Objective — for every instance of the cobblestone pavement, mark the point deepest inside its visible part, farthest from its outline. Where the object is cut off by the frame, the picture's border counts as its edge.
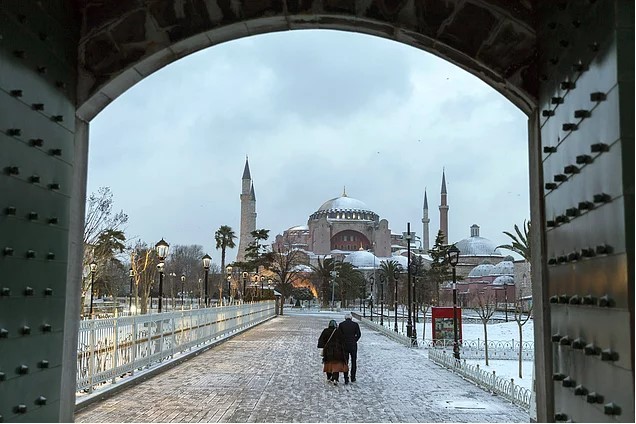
(273, 373)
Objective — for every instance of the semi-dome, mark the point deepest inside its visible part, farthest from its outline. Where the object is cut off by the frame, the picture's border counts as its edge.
(503, 280)
(476, 245)
(503, 268)
(362, 259)
(299, 228)
(401, 260)
(481, 270)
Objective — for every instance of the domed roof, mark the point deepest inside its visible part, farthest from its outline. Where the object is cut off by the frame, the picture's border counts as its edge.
(503, 279)
(299, 228)
(503, 268)
(481, 270)
(362, 259)
(344, 203)
(402, 260)
(476, 245)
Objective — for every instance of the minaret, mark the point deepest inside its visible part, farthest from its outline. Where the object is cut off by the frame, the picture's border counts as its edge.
(425, 222)
(443, 210)
(248, 212)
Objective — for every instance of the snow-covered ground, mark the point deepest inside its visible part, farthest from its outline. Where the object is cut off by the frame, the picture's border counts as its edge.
(499, 331)
(504, 331)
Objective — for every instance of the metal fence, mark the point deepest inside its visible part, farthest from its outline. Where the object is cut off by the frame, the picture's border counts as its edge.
(112, 347)
(489, 380)
(476, 349)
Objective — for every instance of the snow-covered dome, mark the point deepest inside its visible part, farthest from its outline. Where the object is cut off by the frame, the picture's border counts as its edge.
(344, 203)
(299, 228)
(344, 208)
(402, 260)
(503, 268)
(476, 245)
(503, 280)
(362, 259)
(302, 268)
(481, 270)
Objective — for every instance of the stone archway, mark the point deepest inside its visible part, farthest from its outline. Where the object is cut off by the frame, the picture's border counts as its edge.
(567, 64)
(122, 44)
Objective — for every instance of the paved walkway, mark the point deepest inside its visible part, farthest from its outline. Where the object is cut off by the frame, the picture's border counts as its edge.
(273, 373)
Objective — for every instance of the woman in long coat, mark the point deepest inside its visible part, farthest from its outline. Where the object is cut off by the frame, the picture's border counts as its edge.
(334, 359)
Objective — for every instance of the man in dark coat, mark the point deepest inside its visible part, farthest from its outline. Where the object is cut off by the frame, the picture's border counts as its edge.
(351, 333)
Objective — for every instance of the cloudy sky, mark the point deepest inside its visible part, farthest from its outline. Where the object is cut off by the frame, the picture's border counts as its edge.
(315, 111)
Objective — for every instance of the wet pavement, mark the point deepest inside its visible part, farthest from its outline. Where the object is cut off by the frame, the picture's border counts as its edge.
(273, 373)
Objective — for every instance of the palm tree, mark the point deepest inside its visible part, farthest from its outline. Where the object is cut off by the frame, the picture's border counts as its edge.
(224, 238)
(521, 242)
(388, 269)
(322, 276)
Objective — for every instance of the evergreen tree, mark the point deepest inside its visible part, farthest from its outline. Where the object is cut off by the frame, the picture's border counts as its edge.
(256, 253)
(440, 268)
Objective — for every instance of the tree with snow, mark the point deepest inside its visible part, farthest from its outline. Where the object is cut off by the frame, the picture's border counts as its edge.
(521, 321)
(485, 309)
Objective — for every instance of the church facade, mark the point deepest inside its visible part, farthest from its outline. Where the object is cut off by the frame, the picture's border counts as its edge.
(342, 224)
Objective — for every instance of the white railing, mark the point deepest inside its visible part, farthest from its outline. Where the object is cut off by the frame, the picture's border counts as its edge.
(489, 380)
(476, 349)
(112, 347)
(398, 337)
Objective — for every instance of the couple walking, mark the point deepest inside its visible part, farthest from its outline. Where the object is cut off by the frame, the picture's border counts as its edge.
(338, 343)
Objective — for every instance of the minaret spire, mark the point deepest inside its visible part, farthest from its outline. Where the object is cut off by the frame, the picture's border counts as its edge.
(344, 191)
(425, 222)
(248, 211)
(246, 170)
(443, 209)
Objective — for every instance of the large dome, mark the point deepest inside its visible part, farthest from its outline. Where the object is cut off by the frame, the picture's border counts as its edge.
(344, 203)
(344, 208)
(477, 246)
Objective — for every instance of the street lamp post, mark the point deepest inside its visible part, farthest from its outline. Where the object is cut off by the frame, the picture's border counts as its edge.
(162, 252)
(228, 272)
(506, 299)
(396, 275)
(269, 285)
(131, 274)
(334, 275)
(364, 300)
(372, 280)
(453, 258)
(409, 325)
(415, 313)
(206, 266)
(93, 268)
(160, 267)
(382, 280)
(245, 276)
(182, 291)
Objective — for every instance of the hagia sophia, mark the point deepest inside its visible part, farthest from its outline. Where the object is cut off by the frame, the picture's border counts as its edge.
(346, 229)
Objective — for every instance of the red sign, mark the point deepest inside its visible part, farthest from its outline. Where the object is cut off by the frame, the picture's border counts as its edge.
(442, 323)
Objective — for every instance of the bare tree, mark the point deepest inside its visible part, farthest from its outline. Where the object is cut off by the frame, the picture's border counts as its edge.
(285, 261)
(521, 321)
(103, 237)
(424, 307)
(143, 261)
(485, 309)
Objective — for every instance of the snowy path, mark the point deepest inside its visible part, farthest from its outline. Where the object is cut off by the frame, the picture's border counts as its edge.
(272, 373)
